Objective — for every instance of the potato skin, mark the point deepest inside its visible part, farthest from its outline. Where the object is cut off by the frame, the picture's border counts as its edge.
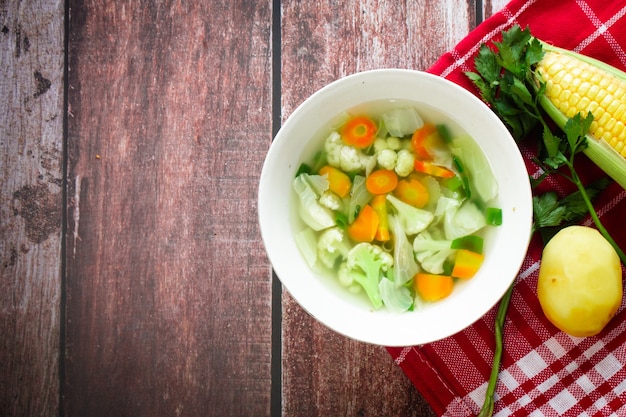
(580, 281)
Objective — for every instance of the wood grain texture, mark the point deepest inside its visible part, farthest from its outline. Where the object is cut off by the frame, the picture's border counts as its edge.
(325, 373)
(31, 140)
(168, 286)
(491, 7)
(327, 40)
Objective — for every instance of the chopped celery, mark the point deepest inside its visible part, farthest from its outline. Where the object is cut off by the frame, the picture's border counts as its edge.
(493, 216)
(472, 243)
(448, 266)
(454, 183)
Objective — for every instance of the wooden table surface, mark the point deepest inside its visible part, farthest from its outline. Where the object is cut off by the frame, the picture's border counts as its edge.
(133, 278)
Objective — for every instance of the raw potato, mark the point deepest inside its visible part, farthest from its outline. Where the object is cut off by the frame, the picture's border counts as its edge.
(580, 281)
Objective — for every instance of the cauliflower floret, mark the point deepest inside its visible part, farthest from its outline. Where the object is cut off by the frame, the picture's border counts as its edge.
(386, 158)
(353, 160)
(350, 159)
(390, 142)
(346, 278)
(380, 144)
(386, 151)
(332, 247)
(347, 158)
(405, 163)
(365, 265)
(369, 163)
(332, 146)
(431, 252)
(394, 143)
(330, 200)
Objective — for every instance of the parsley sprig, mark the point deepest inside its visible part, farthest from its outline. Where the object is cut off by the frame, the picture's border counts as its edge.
(552, 213)
(506, 81)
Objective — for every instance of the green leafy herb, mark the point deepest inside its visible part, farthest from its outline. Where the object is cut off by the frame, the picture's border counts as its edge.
(503, 78)
(551, 213)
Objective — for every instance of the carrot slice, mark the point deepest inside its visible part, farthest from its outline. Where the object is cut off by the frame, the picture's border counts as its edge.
(338, 181)
(467, 263)
(424, 139)
(412, 191)
(363, 229)
(381, 181)
(359, 132)
(430, 168)
(379, 204)
(433, 287)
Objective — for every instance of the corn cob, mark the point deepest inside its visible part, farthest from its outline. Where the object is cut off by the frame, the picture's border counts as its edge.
(575, 83)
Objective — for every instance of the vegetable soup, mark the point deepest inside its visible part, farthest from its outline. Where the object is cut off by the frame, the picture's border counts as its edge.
(394, 205)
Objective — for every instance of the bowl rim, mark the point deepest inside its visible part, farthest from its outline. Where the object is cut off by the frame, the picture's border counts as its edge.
(349, 319)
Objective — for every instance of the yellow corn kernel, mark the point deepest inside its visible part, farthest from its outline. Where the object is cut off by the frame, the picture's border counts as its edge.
(620, 111)
(575, 86)
(584, 88)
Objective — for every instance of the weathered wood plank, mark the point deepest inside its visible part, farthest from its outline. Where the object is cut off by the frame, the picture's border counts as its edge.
(325, 41)
(324, 373)
(490, 7)
(31, 143)
(168, 286)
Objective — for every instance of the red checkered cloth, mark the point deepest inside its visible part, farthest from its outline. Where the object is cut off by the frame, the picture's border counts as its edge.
(544, 372)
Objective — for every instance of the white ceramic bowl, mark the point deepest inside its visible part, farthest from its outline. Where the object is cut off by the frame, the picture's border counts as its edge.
(440, 101)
